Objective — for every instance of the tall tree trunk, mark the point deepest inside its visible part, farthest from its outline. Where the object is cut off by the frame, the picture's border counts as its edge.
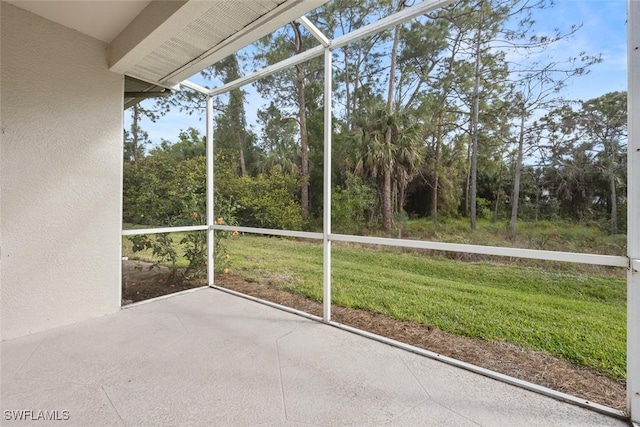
(304, 145)
(467, 181)
(436, 170)
(474, 127)
(386, 202)
(302, 119)
(243, 165)
(386, 199)
(402, 193)
(235, 110)
(240, 124)
(515, 195)
(347, 83)
(498, 191)
(612, 184)
(438, 154)
(135, 135)
(474, 138)
(356, 85)
(394, 195)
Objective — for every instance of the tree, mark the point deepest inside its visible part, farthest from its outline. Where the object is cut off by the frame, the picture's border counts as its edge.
(582, 153)
(136, 138)
(359, 64)
(279, 148)
(288, 88)
(537, 85)
(302, 121)
(190, 144)
(231, 127)
(387, 170)
(603, 121)
(428, 59)
(489, 30)
(387, 145)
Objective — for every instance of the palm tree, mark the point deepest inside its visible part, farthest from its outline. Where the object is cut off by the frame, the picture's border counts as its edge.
(279, 159)
(396, 159)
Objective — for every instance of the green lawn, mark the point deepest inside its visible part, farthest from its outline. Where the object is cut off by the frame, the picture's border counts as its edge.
(579, 317)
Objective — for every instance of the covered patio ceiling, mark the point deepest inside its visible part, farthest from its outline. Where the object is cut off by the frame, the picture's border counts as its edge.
(165, 42)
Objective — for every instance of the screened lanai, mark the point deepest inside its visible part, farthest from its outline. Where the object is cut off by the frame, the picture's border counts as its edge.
(126, 59)
(326, 48)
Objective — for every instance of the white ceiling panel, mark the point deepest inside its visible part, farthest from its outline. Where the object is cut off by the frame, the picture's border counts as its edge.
(197, 34)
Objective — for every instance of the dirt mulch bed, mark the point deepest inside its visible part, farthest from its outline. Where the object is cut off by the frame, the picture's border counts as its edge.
(141, 283)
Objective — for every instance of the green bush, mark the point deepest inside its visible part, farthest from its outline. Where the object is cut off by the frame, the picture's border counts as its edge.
(163, 190)
(162, 247)
(353, 205)
(484, 208)
(265, 201)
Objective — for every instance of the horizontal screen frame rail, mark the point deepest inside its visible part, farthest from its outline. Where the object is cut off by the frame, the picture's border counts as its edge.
(159, 230)
(572, 257)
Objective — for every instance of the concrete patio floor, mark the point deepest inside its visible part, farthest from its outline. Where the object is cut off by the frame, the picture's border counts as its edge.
(207, 358)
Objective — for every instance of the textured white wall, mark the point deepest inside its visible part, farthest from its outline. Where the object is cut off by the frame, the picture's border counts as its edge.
(60, 176)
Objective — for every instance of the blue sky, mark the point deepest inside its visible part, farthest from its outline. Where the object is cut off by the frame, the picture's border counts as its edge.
(603, 32)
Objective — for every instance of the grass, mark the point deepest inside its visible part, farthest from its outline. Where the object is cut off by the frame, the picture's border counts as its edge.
(580, 318)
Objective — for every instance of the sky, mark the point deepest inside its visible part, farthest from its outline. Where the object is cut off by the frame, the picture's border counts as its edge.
(603, 32)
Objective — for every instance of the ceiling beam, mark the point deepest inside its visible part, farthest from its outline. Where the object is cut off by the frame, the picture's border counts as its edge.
(314, 31)
(397, 18)
(287, 12)
(194, 86)
(267, 71)
(150, 29)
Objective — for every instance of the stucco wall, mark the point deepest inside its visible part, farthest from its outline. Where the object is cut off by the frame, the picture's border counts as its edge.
(60, 176)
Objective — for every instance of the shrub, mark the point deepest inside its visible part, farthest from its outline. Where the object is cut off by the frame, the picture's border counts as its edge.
(484, 208)
(353, 205)
(162, 247)
(178, 199)
(265, 201)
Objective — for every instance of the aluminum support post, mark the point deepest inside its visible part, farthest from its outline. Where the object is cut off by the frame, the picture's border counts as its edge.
(210, 206)
(633, 213)
(326, 250)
